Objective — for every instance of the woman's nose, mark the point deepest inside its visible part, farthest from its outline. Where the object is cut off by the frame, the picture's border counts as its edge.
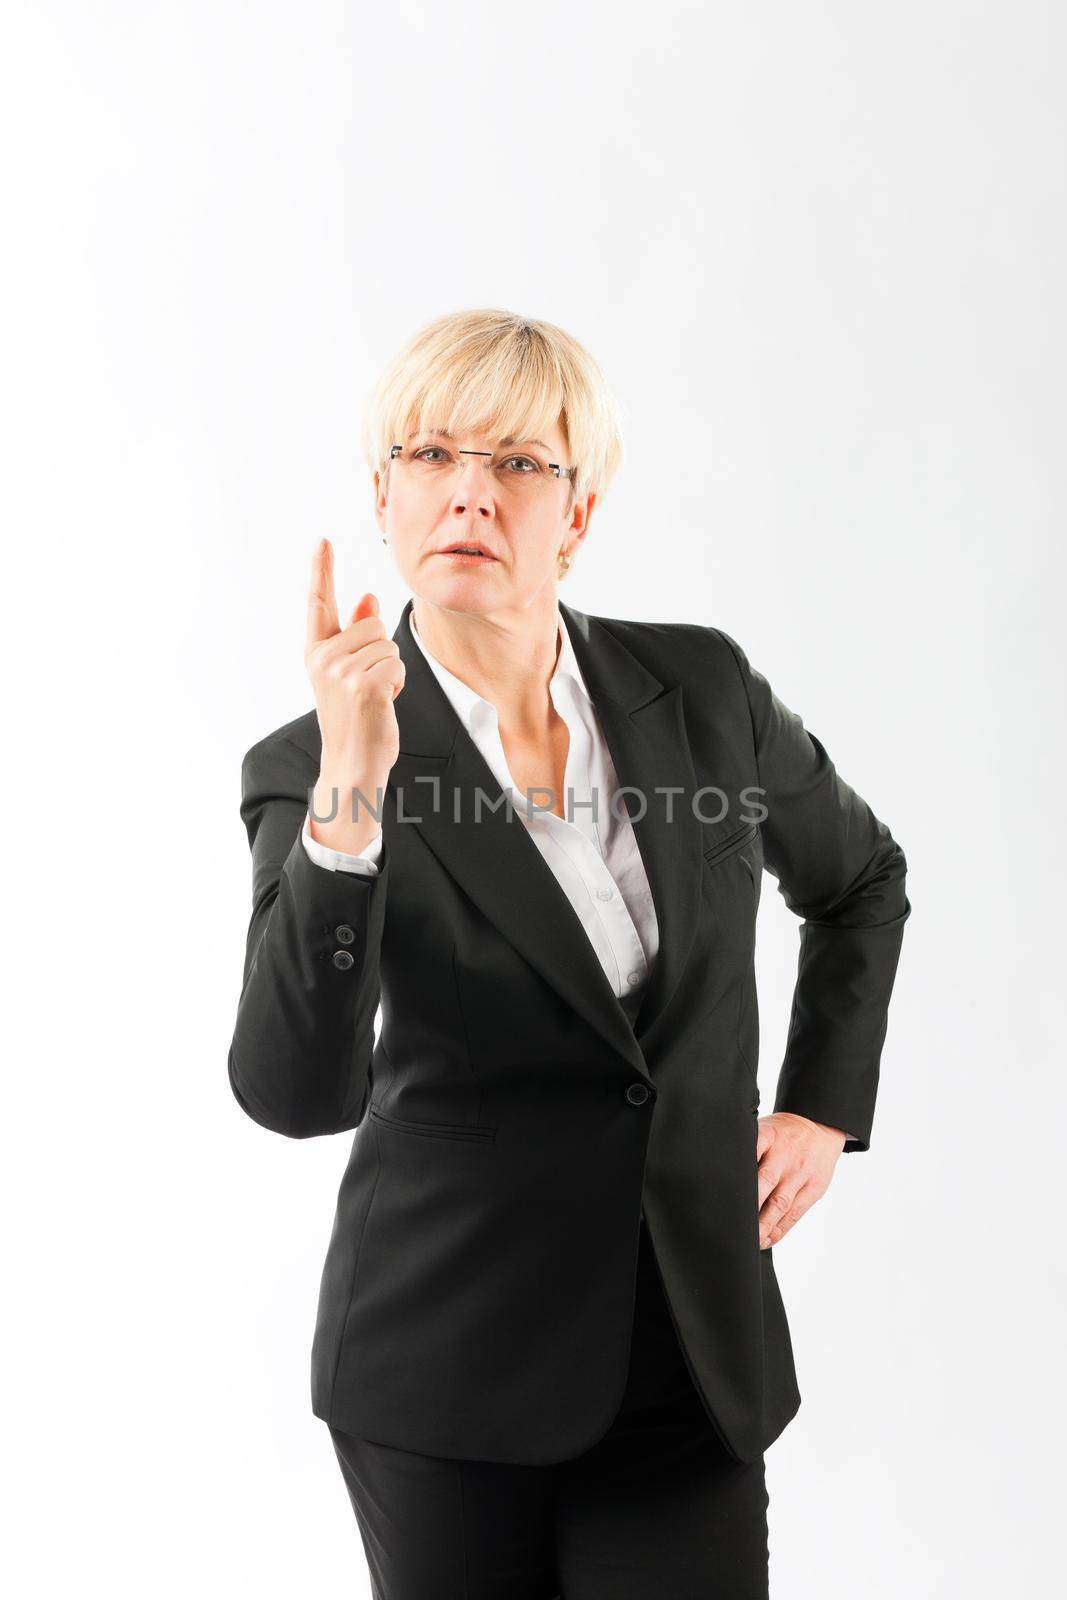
(474, 488)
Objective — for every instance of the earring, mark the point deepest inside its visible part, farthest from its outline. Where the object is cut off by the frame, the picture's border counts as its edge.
(564, 562)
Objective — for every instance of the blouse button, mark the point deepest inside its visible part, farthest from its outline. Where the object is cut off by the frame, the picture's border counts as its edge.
(604, 894)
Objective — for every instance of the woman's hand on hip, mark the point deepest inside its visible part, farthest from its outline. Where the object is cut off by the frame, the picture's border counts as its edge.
(796, 1159)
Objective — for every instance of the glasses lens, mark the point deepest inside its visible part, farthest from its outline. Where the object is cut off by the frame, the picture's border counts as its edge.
(515, 472)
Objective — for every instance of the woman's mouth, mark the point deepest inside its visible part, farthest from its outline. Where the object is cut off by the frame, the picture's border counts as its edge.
(468, 557)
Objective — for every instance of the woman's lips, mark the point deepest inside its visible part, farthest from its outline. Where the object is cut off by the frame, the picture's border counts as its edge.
(466, 560)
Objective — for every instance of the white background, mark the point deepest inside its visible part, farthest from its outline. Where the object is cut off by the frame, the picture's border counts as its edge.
(819, 253)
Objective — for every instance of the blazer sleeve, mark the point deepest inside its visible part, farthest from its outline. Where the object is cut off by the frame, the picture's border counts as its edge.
(299, 1060)
(839, 869)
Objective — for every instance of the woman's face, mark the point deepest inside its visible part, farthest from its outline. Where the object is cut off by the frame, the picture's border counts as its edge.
(421, 515)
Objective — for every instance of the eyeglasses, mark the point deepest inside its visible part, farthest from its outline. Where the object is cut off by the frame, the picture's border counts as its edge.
(523, 474)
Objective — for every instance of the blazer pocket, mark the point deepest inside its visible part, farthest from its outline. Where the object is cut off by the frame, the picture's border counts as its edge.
(433, 1130)
(731, 844)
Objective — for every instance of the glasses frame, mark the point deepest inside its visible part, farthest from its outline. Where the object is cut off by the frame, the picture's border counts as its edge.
(553, 466)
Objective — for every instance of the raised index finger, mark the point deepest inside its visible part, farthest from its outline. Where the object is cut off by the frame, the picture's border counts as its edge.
(322, 619)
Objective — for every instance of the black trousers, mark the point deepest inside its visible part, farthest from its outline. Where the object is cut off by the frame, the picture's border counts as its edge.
(655, 1510)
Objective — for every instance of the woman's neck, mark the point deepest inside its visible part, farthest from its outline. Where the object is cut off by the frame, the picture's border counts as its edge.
(507, 658)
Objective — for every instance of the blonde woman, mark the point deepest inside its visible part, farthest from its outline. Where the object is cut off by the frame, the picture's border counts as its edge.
(550, 1347)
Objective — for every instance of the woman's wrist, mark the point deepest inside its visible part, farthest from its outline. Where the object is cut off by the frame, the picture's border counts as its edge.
(342, 812)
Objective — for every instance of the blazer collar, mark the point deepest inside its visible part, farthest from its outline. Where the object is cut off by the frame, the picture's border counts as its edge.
(497, 864)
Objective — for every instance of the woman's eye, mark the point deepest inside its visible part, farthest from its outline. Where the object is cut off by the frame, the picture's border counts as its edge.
(528, 465)
(428, 450)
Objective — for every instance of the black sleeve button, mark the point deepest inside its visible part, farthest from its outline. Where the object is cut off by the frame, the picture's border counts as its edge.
(344, 934)
(343, 959)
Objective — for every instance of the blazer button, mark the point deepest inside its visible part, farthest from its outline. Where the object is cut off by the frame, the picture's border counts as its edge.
(343, 959)
(637, 1094)
(344, 934)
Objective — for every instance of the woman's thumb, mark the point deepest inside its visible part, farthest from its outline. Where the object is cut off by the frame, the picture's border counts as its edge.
(366, 606)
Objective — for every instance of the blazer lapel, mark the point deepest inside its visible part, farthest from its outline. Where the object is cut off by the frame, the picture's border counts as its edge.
(644, 728)
(441, 779)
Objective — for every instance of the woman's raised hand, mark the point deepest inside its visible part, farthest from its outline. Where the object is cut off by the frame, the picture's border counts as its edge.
(356, 673)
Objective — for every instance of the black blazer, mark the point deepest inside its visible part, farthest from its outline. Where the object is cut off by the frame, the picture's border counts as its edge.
(513, 1126)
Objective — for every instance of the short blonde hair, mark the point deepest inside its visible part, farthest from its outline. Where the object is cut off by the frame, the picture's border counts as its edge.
(502, 374)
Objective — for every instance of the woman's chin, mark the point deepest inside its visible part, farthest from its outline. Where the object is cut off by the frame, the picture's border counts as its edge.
(453, 586)
(459, 593)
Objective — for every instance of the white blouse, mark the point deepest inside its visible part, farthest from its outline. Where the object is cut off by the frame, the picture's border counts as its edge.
(594, 856)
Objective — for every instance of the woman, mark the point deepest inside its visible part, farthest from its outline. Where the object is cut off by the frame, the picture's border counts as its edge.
(550, 1345)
